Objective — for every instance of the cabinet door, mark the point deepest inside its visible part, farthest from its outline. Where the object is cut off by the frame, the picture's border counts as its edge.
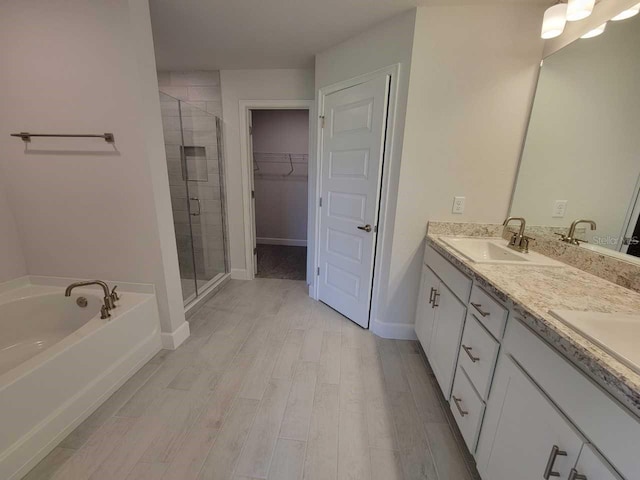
(424, 313)
(445, 338)
(523, 435)
(592, 466)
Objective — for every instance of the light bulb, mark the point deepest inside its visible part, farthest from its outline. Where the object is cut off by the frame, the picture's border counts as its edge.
(555, 18)
(595, 32)
(627, 13)
(579, 9)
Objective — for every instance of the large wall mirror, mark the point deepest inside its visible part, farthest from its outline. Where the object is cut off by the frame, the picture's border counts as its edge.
(581, 158)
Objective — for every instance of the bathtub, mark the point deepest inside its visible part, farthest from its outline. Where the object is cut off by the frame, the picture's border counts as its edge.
(59, 361)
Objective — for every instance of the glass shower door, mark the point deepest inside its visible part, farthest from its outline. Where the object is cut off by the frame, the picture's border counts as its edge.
(194, 160)
(173, 142)
(203, 167)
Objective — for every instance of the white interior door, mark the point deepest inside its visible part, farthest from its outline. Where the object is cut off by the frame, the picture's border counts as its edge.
(353, 140)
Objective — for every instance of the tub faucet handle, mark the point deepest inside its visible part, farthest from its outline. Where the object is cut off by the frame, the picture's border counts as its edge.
(104, 312)
(114, 295)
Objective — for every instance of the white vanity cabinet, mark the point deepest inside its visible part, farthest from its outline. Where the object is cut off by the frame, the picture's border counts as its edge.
(445, 338)
(524, 411)
(440, 316)
(425, 312)
(524, 436)
(592, 466)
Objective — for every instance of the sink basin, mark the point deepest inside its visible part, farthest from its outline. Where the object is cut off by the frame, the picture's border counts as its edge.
(616, 333)
(485, 250)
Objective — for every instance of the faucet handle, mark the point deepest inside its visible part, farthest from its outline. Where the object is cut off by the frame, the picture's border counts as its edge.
(114, 295)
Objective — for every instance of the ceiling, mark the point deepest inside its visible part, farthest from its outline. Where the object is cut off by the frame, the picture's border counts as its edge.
(231, 34)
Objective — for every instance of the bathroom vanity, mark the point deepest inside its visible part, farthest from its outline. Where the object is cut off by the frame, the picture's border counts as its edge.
(533, 398)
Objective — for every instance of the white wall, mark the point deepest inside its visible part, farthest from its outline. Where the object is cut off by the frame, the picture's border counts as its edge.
(85, 208)
(473, 74)
(240, 85)
(12, 263)
(281, 202)
(583, 143)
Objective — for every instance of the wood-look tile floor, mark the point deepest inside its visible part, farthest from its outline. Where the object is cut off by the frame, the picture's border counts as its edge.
(270, 385)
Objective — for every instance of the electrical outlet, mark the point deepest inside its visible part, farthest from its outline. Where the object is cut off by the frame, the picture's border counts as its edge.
(458, 205)
(559, 209)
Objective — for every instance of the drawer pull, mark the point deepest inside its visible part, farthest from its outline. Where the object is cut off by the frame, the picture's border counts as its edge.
(436, 294)
(574, 475)
(468, 352)
(458, 401)
(480, 311)
(433, 290)
(555, 453)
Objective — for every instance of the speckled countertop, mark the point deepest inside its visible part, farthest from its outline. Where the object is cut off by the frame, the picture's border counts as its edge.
(532, 291)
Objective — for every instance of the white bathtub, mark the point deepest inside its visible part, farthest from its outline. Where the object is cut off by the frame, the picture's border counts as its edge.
(59, 362)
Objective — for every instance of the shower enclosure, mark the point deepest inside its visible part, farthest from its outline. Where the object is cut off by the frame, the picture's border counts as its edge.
(193, 143)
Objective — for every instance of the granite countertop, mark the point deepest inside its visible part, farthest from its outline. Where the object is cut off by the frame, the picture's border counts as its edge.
(532, 291)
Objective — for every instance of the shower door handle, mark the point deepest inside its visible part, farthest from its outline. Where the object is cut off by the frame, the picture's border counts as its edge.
(195, 214)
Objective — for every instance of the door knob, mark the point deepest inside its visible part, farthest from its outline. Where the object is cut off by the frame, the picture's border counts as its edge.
(367, 228)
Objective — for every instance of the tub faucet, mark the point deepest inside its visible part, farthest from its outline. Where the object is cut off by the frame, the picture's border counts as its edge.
(109, 297)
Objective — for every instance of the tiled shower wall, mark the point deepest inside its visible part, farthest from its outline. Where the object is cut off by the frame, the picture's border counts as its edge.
(200, 90)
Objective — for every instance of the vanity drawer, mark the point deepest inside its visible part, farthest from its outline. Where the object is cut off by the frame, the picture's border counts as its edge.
(490, 313)
(478, 355)
(467, 408)
(455, 280)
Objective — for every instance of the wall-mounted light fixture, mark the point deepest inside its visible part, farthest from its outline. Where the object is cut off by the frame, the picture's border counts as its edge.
(595, 32)
(579, 9)
(555, 18)
(627, 13)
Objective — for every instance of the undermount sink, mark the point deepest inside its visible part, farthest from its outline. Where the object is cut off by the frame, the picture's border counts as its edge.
(485, 250)
(616, 333)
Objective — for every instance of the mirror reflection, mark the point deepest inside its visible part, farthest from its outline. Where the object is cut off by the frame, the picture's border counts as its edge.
(581, 158)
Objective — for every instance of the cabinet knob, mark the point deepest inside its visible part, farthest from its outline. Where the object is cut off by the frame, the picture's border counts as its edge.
(555, 453)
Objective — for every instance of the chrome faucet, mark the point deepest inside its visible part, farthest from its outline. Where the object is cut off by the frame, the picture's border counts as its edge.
(110, 297)
(570, 236)
(519, 241)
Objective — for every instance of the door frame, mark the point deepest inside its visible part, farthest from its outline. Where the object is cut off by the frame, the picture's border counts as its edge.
(245, 107)
(388, 190)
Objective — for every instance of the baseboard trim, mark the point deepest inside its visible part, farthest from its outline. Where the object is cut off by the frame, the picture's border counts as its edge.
(396, 331)
(239, 274)
(171, 341)
(292, 242)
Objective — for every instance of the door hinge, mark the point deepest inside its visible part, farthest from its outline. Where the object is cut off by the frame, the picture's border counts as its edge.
(321, 121)
(320, 201)
(250, 130)
(253, 194)
(318, 271)
(255, 250)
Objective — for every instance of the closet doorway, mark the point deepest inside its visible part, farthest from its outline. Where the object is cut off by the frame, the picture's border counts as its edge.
(279, 148)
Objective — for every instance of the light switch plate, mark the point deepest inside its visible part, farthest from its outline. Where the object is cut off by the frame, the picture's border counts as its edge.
(458, 205)
(559, 209)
